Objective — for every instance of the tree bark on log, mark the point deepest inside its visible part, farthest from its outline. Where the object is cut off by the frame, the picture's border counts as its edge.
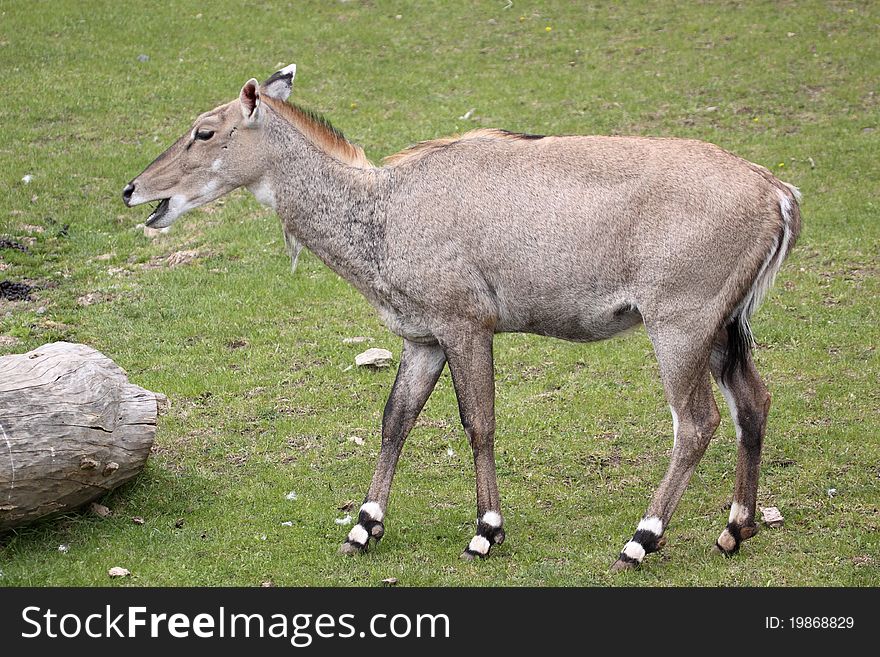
(72, 428)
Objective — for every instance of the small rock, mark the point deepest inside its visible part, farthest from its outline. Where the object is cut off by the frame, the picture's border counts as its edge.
(138, 520)
(100, 510)
(143, 58)
(832, 492)
(41, 310)
(468, 114)
(390, 581)
(358, 339)
(27, 179)
(287, 523)
(712, 108)
(290, 496)
(374, 358)
(771, 516)
(64, 548)
(450, 452)
(268, 584)
(117, 571)
(343, 521)
(357, 440)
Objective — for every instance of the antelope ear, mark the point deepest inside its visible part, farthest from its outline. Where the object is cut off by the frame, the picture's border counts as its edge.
(250, 100)
(278, 84)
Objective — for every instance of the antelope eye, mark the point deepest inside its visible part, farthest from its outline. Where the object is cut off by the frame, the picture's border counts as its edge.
(204, 135)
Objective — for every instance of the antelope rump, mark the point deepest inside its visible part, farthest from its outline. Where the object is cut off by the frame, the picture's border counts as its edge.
(574, 237)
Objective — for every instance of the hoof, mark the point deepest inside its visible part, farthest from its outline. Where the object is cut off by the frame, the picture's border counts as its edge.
(728, 543)
(480, 545)
(731, 538)
(352, 548)
(358, 539)
(624, 564)
(717, 549)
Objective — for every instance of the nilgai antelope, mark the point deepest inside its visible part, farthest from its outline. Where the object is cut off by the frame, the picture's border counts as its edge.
(574, 237)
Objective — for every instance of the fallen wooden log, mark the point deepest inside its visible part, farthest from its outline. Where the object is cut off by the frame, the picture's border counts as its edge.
(72, 428)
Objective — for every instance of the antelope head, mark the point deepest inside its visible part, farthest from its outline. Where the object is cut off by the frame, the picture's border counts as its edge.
(220, 152)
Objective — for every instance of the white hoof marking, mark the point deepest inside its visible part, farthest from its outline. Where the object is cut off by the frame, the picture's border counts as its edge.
(634, 551)
(479, 544)
(358, 535)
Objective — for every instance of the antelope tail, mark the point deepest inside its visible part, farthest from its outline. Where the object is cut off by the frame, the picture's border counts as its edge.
(739, 332)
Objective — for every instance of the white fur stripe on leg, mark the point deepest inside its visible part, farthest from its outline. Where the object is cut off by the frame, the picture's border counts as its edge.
(731, 404)
(479, 544)
(653, 524)
(492, 519)
(738, 514)
(373, 510)
(358, 535)
(634, 551)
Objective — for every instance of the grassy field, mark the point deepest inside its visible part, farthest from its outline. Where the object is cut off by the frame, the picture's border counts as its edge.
(253, 359)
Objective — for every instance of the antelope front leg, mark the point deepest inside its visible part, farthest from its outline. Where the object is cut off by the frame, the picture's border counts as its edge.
(420, 367)
(470, 363)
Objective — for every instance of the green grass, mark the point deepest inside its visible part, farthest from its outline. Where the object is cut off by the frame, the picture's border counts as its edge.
(583, 431)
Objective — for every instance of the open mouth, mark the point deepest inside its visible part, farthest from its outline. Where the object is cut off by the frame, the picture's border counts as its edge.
(160, 211)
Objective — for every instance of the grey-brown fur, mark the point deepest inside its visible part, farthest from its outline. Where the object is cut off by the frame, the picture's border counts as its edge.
(572, 237)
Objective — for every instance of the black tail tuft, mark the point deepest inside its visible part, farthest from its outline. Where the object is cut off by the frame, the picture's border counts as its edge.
(739, 346)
